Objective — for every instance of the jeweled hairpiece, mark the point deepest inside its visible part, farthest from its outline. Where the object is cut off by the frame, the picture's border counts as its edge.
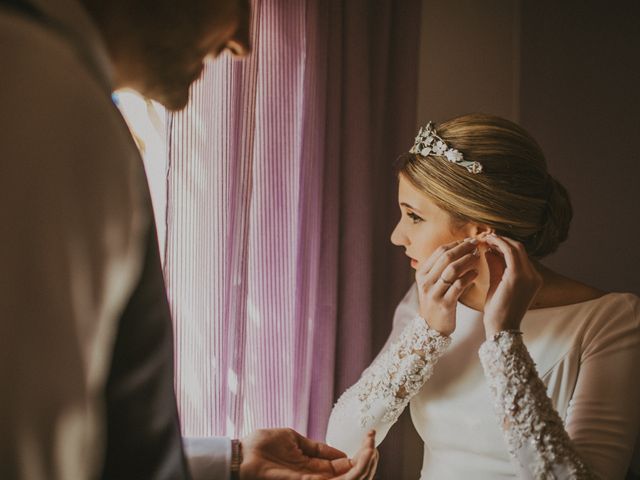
(428, 142)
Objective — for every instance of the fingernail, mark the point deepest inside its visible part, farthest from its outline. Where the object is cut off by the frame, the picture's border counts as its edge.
(475, 252)
(472, 240)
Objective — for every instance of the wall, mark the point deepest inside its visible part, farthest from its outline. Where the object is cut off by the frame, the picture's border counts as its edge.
(569, 73)
(579, 98)
(469, 59)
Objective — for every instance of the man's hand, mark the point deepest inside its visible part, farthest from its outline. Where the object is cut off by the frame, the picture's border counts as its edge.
(285, 454)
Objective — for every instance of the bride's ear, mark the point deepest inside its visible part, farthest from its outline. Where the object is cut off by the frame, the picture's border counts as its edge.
(476, 229)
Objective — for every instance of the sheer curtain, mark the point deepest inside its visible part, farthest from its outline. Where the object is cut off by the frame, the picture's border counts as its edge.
(243, 217)
(280, 199)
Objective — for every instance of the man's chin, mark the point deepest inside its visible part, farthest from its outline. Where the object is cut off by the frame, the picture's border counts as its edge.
(175, 100)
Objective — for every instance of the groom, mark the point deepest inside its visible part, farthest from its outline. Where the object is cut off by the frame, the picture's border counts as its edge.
(85, 330)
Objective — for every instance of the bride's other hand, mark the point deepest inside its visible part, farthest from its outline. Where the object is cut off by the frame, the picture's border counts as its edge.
(513, 284)
(365, 462)
(441, 280)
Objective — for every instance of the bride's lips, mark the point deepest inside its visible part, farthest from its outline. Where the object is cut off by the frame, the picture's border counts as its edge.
(414, 262)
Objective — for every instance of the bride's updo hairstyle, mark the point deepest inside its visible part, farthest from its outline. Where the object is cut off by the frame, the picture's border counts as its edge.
(514, 193)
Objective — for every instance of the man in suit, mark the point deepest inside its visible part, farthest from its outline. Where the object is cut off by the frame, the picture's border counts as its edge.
(85, 330)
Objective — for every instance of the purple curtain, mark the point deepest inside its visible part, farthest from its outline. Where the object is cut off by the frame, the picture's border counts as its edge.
(280, 202)
(241, 249)
(372, 92)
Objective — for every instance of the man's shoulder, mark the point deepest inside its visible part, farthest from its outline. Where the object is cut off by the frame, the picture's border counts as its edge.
(45, 80)
(28, 45)
(59, 130)
(53, 104)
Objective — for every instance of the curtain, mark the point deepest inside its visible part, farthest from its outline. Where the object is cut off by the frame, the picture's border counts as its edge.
(373, 49)
(280, 199)
(244, 214)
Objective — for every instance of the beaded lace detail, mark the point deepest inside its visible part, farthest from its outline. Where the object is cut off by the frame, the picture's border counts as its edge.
(398, 374)
(525, 411)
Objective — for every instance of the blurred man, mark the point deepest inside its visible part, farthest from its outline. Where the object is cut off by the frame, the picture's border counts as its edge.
(85, 329)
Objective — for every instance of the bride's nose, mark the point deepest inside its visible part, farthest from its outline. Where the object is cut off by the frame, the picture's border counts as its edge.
(398, 237)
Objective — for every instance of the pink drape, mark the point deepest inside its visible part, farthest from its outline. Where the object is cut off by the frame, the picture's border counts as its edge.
(243, 216)
(280, 201)
(371, 96)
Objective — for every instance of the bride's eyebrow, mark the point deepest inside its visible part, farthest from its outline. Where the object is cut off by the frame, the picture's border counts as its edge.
(404, 204)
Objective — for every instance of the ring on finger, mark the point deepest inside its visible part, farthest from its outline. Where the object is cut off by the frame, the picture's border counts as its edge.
(445, 281)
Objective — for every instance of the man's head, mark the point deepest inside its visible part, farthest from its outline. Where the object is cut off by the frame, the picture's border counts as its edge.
(158, 46)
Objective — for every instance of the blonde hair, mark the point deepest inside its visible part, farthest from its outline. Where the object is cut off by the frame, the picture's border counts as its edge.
(515, 195)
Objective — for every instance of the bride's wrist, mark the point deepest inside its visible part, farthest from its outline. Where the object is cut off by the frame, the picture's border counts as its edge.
(440, 329)
(493, 335)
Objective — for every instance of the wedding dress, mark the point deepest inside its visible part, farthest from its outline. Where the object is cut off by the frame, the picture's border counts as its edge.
(561, 400)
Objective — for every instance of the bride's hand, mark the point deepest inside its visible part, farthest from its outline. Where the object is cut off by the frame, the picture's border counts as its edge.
(513, 284)
(442, 278)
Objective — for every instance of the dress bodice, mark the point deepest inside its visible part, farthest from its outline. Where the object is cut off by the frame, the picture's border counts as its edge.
(453, 412)
(584, 356)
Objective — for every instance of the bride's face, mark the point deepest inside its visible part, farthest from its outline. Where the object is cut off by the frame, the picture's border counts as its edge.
(423, 226)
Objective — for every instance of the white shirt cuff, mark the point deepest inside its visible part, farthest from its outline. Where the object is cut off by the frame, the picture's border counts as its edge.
(208, 457)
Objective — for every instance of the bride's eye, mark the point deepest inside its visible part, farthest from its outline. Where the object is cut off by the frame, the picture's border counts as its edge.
(414, 218)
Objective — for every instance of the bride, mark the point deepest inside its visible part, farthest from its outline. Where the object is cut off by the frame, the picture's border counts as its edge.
(509, 369)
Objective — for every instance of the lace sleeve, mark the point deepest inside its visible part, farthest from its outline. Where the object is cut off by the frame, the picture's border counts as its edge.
(385, 388)
(534, 432)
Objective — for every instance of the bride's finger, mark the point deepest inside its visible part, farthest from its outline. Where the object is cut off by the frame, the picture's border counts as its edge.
(508, 251)
(423, 269)
(458, 267)
(520, 251)
(364, 462)
(496, 266)
(374, 466)
(448, 258)
(452, 273)
(460, 285)
(514, 244)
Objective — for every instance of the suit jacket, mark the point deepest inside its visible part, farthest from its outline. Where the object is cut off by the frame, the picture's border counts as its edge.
(87, 373)
(143, 433)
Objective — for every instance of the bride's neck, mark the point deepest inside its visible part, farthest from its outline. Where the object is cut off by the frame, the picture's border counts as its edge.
(556, 290)
(476, 295)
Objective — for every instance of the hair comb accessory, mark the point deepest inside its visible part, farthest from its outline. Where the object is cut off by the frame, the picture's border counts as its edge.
(428, 142)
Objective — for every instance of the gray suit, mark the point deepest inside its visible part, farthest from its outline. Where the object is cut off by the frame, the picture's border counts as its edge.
(99, 397)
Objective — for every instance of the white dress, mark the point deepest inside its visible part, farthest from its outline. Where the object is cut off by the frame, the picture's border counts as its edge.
(462, 390)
